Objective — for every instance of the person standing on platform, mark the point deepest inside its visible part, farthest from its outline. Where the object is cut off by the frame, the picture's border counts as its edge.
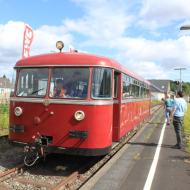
(169, 102)
(178, 111)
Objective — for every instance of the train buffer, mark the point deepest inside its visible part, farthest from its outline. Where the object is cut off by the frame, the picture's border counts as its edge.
(147, 162)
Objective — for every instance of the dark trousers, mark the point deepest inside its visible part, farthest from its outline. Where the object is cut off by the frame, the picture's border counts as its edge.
(178, 124)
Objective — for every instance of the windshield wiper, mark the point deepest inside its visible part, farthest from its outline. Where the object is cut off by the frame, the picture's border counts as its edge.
(34, 92)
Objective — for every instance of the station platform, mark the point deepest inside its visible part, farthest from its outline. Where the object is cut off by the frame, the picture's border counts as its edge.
(147, 162)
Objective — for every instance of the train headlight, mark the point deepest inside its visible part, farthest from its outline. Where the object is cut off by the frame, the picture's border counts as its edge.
(79, 115)
(59, 45)
(18, 111)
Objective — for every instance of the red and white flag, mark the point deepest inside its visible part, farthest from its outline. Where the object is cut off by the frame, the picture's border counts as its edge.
(27, 41)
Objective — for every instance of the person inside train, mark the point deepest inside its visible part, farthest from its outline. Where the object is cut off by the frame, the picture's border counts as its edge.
(59, 91)
(74, 88)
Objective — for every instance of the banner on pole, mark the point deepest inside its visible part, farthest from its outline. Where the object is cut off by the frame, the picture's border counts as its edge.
(27, 41)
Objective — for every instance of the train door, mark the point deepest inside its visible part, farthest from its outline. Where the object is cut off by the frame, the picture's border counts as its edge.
(116, 106)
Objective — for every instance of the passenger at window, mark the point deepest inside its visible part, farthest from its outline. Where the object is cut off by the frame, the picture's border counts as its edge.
(74, 87)
(59, 91)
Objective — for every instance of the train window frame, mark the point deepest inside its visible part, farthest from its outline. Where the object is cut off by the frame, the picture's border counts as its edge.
(70, 98)
(128, 81)
(14, 82)
(17, 82)
(116, 79)
(111, 84)
(146, 91)
(134, 86)
(137, 95)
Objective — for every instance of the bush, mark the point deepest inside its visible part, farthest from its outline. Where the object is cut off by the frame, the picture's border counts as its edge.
(4, 116)
(187, 127)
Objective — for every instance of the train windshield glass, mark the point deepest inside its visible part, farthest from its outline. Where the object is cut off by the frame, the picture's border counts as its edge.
(32, 82)
(69, 83)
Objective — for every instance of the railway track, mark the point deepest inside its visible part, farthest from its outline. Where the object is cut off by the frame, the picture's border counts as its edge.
(61, 172)
(3, 137)
(57, 171)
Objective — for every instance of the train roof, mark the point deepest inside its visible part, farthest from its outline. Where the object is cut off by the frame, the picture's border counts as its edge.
(74, 59)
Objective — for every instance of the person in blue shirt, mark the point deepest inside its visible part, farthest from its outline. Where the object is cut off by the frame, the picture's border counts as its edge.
(169, 103)
(178, 111)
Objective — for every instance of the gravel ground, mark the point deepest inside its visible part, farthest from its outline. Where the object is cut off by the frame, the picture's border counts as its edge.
(51, 172)
(9, 156)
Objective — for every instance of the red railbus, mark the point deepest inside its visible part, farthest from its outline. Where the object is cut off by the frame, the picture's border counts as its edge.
(75, 103)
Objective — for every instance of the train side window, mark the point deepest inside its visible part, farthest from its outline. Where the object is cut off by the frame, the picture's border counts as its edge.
(137, 91)
(101, 83)
(143, 92)
(132, 86)
(126, 86)
(116, 84)
(13, 83)
(146, 92)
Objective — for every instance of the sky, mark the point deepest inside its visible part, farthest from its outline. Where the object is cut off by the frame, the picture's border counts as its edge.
(143, 35)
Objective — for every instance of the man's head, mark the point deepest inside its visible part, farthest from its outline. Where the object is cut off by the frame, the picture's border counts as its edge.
(76, 75)
(180, 94)
(59, 83)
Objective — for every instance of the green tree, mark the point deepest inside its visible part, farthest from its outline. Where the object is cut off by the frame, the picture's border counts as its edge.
(186, 88)
(173, 86)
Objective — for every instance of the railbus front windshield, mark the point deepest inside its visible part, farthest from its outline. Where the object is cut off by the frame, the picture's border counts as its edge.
(69, 83)
(64, 82)
(32, 82)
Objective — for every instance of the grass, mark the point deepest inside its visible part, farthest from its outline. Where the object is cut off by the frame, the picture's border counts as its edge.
(187, 128)
(4, 119)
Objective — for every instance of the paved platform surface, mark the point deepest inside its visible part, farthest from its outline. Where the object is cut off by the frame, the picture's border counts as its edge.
(130, 171)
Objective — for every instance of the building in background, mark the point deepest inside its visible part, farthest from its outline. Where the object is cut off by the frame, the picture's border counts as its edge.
(163, 85)
(6, 86)
(156, 93)
(159, 88)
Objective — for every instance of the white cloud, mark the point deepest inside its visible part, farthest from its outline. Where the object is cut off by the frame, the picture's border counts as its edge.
(149, 58)
(103, 19)
(46, 36)
(159, 13)
(150, 50)
(154, 59)
(104, 25)
(11, 38)
(147, 69)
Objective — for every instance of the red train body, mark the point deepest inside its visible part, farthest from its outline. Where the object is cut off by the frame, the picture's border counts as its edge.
(103, 103)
